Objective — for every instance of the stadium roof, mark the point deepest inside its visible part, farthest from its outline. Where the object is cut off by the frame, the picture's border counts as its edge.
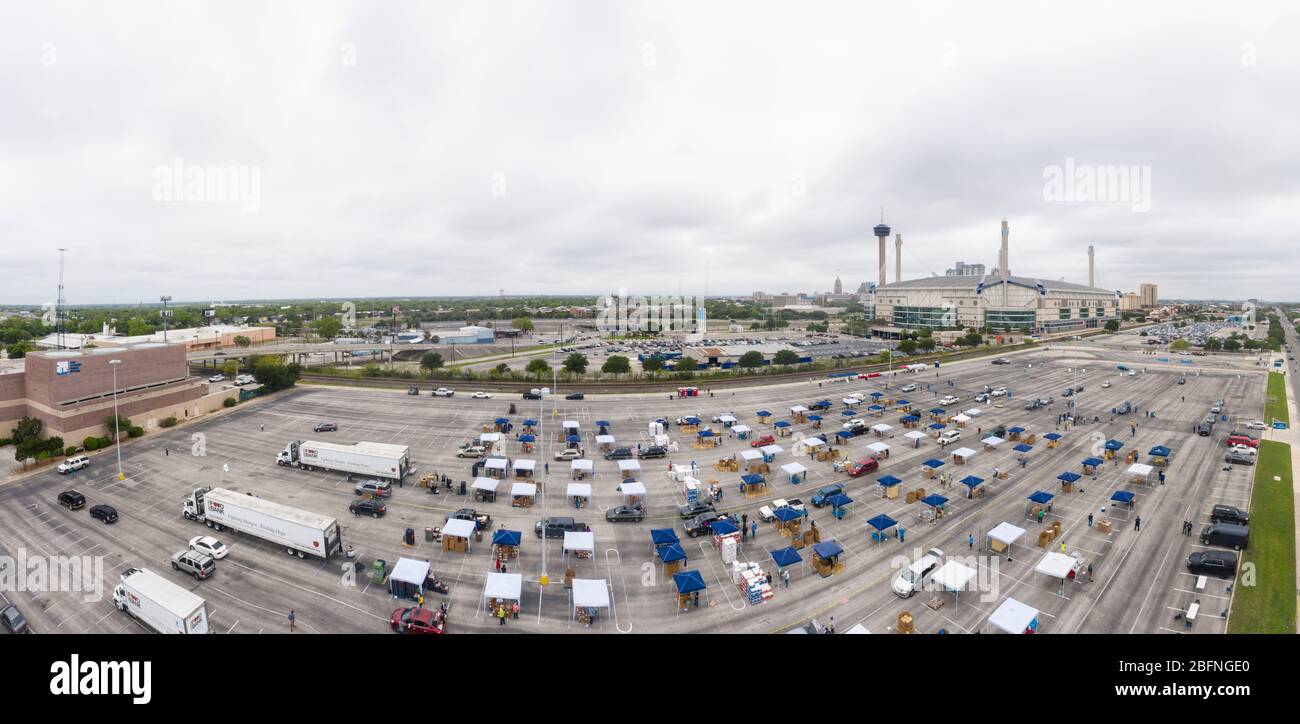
(989, 280)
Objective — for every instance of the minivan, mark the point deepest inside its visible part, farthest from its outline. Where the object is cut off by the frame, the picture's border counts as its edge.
(918, 573)
(1228, 514)
(1228, 535)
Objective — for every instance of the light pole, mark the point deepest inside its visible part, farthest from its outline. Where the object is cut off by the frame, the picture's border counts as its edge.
(117, 421)
(165, 314)
(546, 473)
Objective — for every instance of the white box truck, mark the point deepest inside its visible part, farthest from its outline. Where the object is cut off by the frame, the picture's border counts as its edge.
(160, 604)
(373, 459)
(301, 533)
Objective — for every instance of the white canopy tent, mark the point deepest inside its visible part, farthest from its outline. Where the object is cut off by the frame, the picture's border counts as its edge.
(878, 447)
(973, 412)
(961, 417)
(881, 428)
(490, 437)
(496, 464)
(1140, 469)
(724, 419)
(524, 490)
(576, 541)
(738, 429)
(851, 401)
(582, 466)
(457, 528)
(992, 441)
(578, 490)
(858, 629)
(748, 455)
(797, 409)
(794, 468)
(1006, 534)
(526, 465)
(771, 449)
(589, 593)
(964, 453)
(604, 439)
(1056, 565)
(569, 425)
(407, 577)
(488, 484)
(503, 587)
(629, 466)
(1013, 616)
(631, 488)
(954, 576)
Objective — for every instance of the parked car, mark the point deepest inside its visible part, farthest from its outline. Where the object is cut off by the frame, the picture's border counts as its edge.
(73, 464)
(1105, 384)
(13, 620)
(950, 400)
(481, 396)
(654, 451)
(471, 451)
(1228, 535)
(376, 488)
(556, 527)
(568, 453)
(1242, 438)
(1069, 392)
(416, 620)
(630, 513)
(199, 565)
(917, 574)
(762, 440)
(982, 397)
(1229, 514)
(909, 387)
(949, 436)
(1239, 458)
(209, 545)
(619, 453)
(326, 427)
(371, 506)
(72, 500)
(861, 467)
(690, 510)
(1212, 563)
(1256, 425)
(106, 513)
(575, 396)
(819, 498)
(217, 378)
(998, 392)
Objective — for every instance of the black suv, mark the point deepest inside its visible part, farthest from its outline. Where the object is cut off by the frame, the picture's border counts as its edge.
(1228, 514)
(654, 451)
(575, 396)
(1213, 563)
(106, 513)
(690, 510)
(700, 524)
(619, 453)
(72, 500)
(372, 507)
(556, 527)
(532, 396)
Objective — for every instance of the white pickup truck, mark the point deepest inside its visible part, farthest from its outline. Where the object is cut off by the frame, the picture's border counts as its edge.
(443, 392)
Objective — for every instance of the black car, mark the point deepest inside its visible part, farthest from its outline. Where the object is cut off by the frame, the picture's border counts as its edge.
(326, 427)
(701, 524)
(371, 506)
(575, 396)
(690, 510)
(1239, 458)
(1213, 563)
(13, 620)
(631, 513)
(72, 500)
(1069, 392)
(532, 396)
(106, 513)
(1228, 514)
(556, 527)
(619, 453)
(1001, 361)
(654, 451)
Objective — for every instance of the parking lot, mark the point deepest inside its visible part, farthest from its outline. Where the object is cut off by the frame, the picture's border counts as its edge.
(1139, 584)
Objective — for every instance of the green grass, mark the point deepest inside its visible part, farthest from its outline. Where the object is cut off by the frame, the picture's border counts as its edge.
(1269, 605)
(1275, 400)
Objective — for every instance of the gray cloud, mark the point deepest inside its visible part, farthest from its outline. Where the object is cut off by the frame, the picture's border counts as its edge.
(458, 148)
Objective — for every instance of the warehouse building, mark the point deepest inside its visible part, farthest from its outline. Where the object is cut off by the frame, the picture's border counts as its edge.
(999, 301)
(71, 391)
(214, 336)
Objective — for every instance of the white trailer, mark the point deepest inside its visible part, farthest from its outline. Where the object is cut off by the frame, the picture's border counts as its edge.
(160, 604)
(301, 533)
(373, 459)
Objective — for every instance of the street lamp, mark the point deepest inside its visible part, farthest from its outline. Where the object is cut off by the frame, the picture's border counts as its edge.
(546, 471)
(117, 421)
(165, 314)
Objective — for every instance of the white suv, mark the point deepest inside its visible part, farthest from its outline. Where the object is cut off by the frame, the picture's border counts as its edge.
(72, 464)
(909, 388)
(1256, 425)
(999, 392)
(949, 436)
(914, 577)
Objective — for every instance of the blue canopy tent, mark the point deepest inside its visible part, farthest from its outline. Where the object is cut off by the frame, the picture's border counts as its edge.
(602, 427)
(786, 514)
(1052, 436)
(749, 483)
(901, 402)
(763, 413)
(823, 404)
(501, 421)
(1068, 478)
(814, 418)
(843, 435)
(1114, 445)
(837, 503)
(875, 408)
(887, 484)
(933, 464)
(847, 413)
(1160, 455)
(784, 557)
(706, 433)
(937, 426)
(505, 537)
(670, 553)
(602, 423)
(1023, 448)
(1123, 496)
(722, 526)
(573, 439)
(1041, 497)
(527, 438)
(935, 504)
(910, 418)
(781, 423)
(1091, 464)
(687, 582)
(826, 557)
(1015, 430)
(937, 410)
(529, 422)
(690, 420)
(881, 523)
(877, 394)
(663, 536)
(972, 483)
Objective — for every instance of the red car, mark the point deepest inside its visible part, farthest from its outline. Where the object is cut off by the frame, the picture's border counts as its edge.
(764, 440)
(862, 467)
(1237, 438)
(418, 620)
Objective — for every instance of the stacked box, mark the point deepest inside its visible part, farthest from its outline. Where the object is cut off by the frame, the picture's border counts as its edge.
(753, 582)
(728, 545)
(691, 487)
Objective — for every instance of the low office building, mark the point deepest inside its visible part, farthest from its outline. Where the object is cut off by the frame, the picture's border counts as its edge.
(215, 336)
(72, 392)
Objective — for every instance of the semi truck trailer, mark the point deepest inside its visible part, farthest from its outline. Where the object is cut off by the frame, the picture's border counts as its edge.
(300, 533)
(373, 459)
(160, 604)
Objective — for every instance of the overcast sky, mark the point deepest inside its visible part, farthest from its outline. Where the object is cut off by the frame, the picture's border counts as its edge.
(434, 148)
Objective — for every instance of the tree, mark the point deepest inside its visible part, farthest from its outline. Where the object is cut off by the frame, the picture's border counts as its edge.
(575, 363)
(1112, 325)
(18, 350)
(431, 361)
(926, 344)
(1180, 344)
(1213, 344)
(243, 342)
(785, 357)
(523, 324)
(538, 367)
(1231, 345)
(328, 327)
(686, 364)
(28, 428)
(501, 369)
(751, 359)
(230, 368)
(136, 327)
(272, 373)
(117, 423)
(908, 346)
(652, 364)
(616, 365)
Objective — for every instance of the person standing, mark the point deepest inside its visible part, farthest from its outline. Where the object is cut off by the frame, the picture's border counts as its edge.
(785, 577)
(901, 533)
(970, 541)
(1137, 523)
(293, 621)
(1062, 546)
(1090, 520)
(501, 614)
(753, 530)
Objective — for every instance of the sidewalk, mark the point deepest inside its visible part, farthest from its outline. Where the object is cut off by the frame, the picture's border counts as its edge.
(1291, 436)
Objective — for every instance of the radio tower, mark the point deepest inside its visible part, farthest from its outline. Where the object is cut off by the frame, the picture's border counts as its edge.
(58, 307)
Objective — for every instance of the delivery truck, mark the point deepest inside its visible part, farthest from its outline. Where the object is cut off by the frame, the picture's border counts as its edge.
(160, 604)
(300, 533)
(373, 459)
